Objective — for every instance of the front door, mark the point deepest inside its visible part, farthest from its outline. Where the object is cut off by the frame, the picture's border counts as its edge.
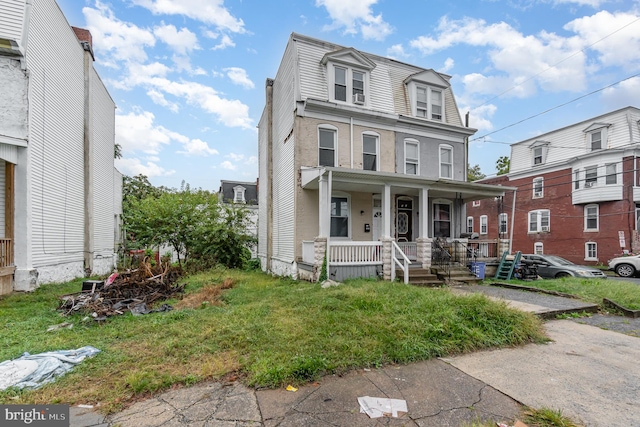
(404, 218)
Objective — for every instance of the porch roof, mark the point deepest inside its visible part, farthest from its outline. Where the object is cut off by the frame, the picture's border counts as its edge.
(356, 180)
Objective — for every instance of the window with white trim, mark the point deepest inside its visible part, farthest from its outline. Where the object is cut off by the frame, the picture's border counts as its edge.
(611, 174)
(340, 216)
(537, 156)
(538, 187)
(590, 176)
(446, 161)
(469, 224)
(349, 85)
(591, 251)
(428, 102)
(442, 211)
(411, 157)
(238, 194)
(591, 214)
(539, 151)
(502, 223)
(484, 224)
(539, 221)
(370, 144)
(475, 203)
(538, 248)
(576, 179)
(595, 140)
(327, 146)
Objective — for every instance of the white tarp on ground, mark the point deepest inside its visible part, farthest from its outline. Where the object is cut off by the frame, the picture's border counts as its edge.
(33, 371)
(377, 407)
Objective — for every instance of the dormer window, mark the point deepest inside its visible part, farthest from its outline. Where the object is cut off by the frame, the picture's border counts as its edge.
(348, 73)
(426, 93)
(238, 194)
(596, 136)
(539, 152)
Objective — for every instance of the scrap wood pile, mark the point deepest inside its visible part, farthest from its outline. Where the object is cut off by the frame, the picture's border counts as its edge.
(133, 290)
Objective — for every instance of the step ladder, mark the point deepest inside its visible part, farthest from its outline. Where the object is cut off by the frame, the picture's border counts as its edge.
(507, 264)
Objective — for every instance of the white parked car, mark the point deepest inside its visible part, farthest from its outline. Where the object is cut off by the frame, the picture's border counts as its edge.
(625, 266)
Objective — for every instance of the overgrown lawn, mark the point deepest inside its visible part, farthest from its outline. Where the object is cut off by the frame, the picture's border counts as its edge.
(267, 331)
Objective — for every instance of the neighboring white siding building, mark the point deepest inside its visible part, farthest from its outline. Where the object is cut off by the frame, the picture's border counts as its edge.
(57, 148)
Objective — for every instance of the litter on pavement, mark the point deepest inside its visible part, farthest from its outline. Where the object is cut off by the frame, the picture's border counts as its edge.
(31, 371)
(377, 407)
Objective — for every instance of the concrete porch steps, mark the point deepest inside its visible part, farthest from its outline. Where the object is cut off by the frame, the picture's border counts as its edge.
(458, 274)
(421, 277)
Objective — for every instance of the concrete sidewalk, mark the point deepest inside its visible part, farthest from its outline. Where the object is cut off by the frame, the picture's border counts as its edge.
(590, 374)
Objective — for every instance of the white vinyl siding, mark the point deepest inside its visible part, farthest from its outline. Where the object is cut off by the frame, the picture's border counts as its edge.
(103, 125)
(55, 61)
(2, 197)
(11, 19)
(264, 184)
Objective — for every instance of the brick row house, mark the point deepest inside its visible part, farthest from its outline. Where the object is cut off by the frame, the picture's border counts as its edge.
(578, 191)
(362, 159)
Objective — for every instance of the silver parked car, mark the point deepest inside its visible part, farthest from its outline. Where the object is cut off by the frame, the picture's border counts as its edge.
(625, 266)
(554, 267)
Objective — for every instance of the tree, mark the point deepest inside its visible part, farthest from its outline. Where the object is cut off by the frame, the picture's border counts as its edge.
(474, 173)
(193, 223)
(502, 165)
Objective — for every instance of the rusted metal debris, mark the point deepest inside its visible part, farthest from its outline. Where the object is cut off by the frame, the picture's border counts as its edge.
(131, 290)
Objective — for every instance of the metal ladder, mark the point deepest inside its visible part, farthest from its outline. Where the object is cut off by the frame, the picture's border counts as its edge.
(506, 267)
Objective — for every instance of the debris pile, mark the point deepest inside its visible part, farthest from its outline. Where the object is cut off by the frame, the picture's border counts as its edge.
(132, 290)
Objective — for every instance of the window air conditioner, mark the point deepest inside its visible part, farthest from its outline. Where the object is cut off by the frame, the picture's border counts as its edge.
(589, 184)
(358, 98)
(544, 228)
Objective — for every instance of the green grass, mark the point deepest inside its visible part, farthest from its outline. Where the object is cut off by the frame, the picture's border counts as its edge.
(270, 332)
(624, 293)
(543, 417)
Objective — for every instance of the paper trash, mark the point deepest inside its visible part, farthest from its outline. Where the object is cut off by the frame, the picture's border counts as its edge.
(377, 407)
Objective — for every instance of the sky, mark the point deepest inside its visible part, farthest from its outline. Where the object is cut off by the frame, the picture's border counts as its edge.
(188, 76)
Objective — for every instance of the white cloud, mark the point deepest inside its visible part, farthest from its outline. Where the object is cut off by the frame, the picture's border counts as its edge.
(593, 3)
(180, 41)
(133, 166)
(159, 99)
(396, 52)
(225, 42)
(356, 16)
(197, 147)
(622, 95)
(228, 165)
(207, 11)
(448, 64)
(480, 117)
(136, 132)
(117, 40)
(239, 77)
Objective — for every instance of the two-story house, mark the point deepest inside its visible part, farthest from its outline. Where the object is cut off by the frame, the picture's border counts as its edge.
(245, 195)
(578, 191)
(60, 196)
(362, 162)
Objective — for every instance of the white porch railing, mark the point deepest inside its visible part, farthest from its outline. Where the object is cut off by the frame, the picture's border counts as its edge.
(395, 260)
(355, 253)
(308, 251)
(410, 249)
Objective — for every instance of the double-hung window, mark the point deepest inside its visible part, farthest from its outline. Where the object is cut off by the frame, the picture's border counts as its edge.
(469, 224)
(326, 147)
(596, 140)
(484, 224)
(539, 151)
(370, 152)
(442, 219)
(349, 85)
(539, 221)
(436, 104)
(446, 161)
(537, 156)
(411, 158)
(421, 102)
(590, 176)
(502, 223)
(591, 251)
(238, 194)
(428, 102)
(576, 179)
(591, 214)
(611, 174)
(538, 187)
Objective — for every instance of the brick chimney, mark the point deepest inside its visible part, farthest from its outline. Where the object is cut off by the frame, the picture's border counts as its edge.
(85, 39)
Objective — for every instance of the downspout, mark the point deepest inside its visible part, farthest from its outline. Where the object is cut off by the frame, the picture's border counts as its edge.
(329, 193)
(269, 186)
(513, 218)
(351, 135)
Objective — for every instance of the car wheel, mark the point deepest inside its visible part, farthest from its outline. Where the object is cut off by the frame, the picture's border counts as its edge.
(625, 270)
(562, 274)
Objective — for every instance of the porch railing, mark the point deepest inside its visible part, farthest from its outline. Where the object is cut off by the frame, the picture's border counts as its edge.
(396, 257)
(355, 253)
(6, 252)
(483, 249)
(441, 256)
(410, 249)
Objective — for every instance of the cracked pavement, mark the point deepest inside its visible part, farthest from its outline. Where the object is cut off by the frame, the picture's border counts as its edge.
(437, 394)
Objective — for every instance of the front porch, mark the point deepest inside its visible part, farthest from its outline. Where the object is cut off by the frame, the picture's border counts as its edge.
(371, 224)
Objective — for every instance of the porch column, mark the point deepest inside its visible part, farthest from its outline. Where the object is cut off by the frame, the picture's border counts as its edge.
(386, 211)
(423, 242)
(324, 206)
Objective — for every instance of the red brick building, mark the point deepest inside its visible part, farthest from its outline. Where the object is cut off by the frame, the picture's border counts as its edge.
(578, 192)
